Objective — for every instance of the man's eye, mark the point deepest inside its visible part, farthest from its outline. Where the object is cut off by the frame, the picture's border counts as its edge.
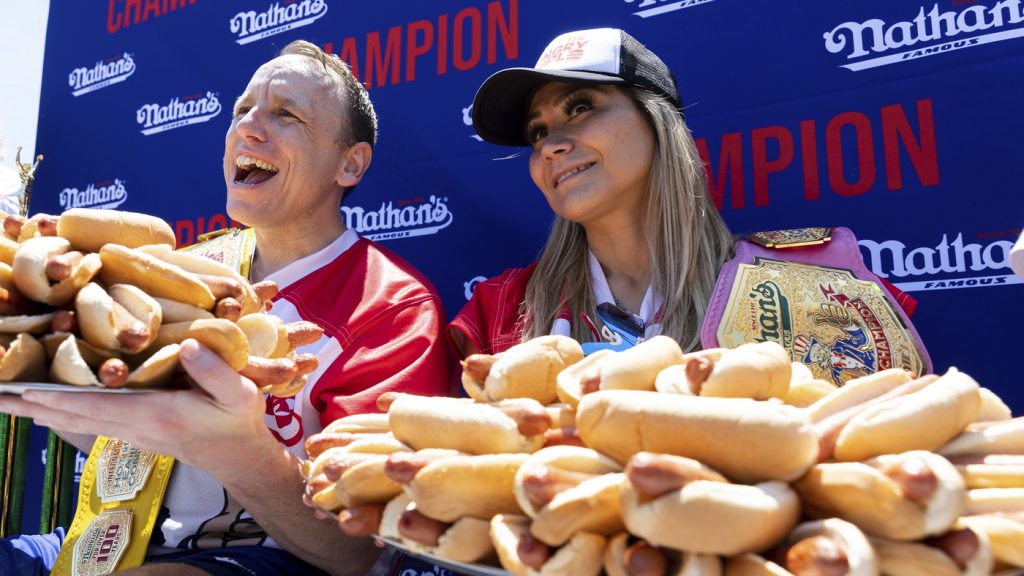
(242, 110)
(286, 113)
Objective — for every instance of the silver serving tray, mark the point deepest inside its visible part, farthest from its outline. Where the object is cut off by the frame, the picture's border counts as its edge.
(457, 567)
(19, 387)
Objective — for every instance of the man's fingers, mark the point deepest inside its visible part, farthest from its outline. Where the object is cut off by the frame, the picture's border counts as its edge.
(227, 387)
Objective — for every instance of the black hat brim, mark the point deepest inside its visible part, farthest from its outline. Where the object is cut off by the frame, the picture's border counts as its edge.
(499, 107)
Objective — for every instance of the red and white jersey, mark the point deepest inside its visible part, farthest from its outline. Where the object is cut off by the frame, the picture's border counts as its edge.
(382, 324)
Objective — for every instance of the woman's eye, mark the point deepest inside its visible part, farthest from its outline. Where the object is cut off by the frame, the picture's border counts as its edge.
(578, 108)
(536, 134)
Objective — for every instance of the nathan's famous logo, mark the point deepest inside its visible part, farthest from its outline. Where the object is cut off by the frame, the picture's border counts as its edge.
(104, 73)
(252, 26)
(178, 112)
(650, 8)
(413, 217)
(875, 42)
(772, 314)
(949, 264)
(102, 195)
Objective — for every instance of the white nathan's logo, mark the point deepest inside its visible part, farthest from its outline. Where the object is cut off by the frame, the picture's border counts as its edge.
(251, 26)
(102, 74)
(419, 217)
(178, 112)
(648, 8)
(875, 42)
(102, 195)
(949, 264)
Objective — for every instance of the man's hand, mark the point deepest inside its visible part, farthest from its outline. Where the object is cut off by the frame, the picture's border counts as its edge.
(214, 427)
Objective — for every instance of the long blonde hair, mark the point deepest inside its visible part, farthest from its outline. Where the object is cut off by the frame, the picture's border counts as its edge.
(686, 237)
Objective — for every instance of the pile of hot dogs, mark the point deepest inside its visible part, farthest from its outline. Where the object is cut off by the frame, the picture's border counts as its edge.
(652, 462)
(100, 298)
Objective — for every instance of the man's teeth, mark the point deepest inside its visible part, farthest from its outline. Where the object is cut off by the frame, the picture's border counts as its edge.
(573, 171)
(248, 163)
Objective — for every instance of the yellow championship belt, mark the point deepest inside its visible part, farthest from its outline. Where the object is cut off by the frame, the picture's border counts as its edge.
(122, 487)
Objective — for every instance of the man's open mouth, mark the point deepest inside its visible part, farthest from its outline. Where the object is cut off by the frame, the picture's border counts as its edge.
(249, 170)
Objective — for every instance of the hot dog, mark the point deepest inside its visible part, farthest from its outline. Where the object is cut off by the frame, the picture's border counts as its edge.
(527, 370)
(222, 280)
(823, 548)
(898, 496)
(352, 475)
(639, 558)
(921, 415)
(778, 442)
(999, 437)
(221, 336)
(521, 555)
(569, 489)
(707, 516)
(89, 229)
(570, 382)
(29, 271)
(960, 552)
(122, 318)
(454, 487)
(156, 277)
(24, 360)
(464, 540)
(759, 371)
(69, 366)
(990, 470)
(515, 425)
(1005, 533)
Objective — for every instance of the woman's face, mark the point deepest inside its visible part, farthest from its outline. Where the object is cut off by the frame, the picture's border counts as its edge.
(592, 151)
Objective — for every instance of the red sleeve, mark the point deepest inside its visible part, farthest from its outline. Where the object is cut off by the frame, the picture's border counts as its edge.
(490, 320)
(906, 301)
(402, 350)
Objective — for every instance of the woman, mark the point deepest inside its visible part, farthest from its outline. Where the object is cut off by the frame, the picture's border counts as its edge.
(638, 249)
(635, 237)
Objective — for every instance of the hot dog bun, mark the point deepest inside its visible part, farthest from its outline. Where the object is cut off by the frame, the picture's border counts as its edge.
(637, 368)
(584, 491)
(1000, 437)
(923, 420)
(747, 440)
(755, 370)
(710, 516)
(921, 559)
(89, 229)
(527, 370)
(1005, 533)
(858, 391)
(221, 336)
(687, 563)
(24, 361)
(458, 486)
(464, 425)
(29, 266)
(156, 277)
(898, 496)
(107, 328)
(569, 387)
(846, 551)
(202, 265)
(580, 556)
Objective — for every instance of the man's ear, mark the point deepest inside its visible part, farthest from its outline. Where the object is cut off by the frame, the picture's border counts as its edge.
(355, 161)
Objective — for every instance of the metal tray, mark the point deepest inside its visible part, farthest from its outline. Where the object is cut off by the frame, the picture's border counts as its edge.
(457, 567)
(19, 387)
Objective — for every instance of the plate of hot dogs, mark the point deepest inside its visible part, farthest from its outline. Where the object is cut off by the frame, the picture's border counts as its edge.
(653, 462)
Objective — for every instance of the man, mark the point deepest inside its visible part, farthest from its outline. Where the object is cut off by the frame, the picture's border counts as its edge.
(301, 138)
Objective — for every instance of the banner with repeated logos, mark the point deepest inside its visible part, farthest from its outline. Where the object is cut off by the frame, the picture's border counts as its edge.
(899, 120)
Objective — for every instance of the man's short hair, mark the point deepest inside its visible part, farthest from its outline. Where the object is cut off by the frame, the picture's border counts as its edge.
(362, 120)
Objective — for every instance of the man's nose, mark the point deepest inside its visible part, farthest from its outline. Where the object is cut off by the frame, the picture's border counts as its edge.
(250, 125)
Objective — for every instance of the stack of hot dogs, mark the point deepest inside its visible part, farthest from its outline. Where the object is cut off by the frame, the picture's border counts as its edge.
(652, 462)
(100, 298)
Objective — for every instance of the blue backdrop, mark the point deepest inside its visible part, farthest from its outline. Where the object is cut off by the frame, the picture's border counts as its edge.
(899, 120)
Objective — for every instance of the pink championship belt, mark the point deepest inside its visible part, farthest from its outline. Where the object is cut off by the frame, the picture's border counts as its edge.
(810, 291)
